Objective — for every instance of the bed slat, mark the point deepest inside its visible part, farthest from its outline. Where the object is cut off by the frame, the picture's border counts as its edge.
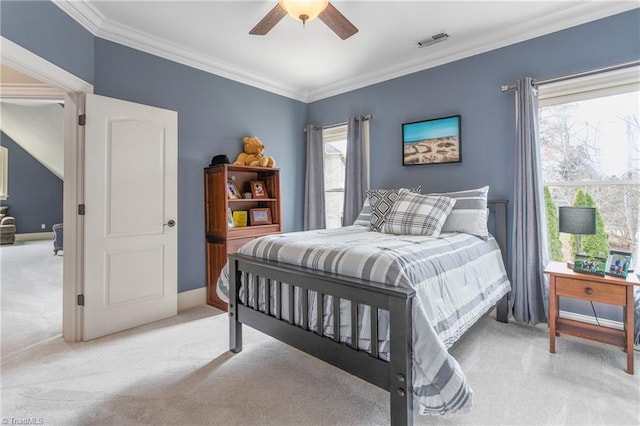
(292, 318)
(354, 324)
(254, 289)
(245, 279)
(320, 313)
(336, 318)
(374, 331)
(267, 296)
(278, 299)
(305, 308)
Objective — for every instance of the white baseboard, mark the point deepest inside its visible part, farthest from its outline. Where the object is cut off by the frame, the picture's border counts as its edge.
(35, 236)
(191, 298)
(591, 320)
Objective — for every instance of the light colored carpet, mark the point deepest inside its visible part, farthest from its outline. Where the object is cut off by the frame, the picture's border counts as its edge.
(178, 371)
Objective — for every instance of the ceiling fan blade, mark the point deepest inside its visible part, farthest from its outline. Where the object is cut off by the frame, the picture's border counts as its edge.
(269, 21)
(337, 22)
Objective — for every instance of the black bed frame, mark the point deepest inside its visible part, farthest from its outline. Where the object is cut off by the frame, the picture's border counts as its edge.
(394, 375)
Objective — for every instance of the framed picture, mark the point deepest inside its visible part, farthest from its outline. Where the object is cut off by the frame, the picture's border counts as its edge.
(432, 141)
(589, 264)
(240, 218)
(258, 189)
(618, 263)
(260, 216)
(232, 190)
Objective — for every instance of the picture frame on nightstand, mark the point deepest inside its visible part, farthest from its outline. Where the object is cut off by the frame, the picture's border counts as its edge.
(618, 263)
(589, 264)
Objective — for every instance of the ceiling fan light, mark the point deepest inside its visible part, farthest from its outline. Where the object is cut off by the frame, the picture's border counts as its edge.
(304, 10)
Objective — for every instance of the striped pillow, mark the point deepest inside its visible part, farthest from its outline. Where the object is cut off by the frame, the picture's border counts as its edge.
(364, 218)
(380, 203)
(417, 214)
(469, 215)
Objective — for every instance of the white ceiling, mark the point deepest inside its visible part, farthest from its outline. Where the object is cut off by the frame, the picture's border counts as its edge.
(313, 63)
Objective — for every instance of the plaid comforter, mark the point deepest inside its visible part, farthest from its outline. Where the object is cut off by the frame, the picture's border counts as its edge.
(457, 278)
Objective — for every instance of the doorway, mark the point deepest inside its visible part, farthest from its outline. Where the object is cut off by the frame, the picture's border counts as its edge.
(74, 89)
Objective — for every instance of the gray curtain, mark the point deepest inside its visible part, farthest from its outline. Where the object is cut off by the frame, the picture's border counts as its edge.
(529, 249)
(314, 216)
(357, 168)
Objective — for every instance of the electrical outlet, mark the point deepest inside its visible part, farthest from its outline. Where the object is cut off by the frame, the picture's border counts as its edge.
(42, 226)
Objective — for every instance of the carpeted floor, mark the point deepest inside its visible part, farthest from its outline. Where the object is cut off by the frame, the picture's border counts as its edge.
(178, 371)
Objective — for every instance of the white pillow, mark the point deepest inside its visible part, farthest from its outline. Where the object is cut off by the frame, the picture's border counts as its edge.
(417, 214)
(470, 213)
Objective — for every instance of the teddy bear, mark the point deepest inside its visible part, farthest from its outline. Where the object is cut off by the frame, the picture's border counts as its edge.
(253, 154)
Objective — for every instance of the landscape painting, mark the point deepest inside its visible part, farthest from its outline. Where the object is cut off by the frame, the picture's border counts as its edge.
(431, 141)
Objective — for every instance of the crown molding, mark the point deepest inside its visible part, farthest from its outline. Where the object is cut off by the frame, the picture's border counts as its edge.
(94, 22)
(141, 41)
(83, 13)
(572, 15)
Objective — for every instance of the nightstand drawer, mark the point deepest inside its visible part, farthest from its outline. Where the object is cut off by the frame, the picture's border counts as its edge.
(588, 290)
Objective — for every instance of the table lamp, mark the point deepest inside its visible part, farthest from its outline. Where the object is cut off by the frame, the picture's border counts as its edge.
(578, 221)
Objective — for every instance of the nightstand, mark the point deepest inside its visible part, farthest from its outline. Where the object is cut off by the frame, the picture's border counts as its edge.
(563, 282)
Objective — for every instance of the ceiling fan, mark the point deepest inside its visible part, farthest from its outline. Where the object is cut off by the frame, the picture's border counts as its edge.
(305, 11)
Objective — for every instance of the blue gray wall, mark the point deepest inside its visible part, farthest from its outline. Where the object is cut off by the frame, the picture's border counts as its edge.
(214, 114)
(35, 194)
(471, 87)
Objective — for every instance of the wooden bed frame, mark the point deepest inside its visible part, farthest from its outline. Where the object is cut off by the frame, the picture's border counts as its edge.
(395, 375)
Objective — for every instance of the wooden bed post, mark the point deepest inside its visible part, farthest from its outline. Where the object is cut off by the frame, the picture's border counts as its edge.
(235, 326)
(401, 360)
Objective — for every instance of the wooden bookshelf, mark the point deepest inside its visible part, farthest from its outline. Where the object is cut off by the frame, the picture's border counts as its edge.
(222, 239)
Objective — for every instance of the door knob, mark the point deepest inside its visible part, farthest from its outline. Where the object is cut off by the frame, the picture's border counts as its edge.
(170, 224)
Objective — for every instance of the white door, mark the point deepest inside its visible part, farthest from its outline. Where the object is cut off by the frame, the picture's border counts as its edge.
(130, 247)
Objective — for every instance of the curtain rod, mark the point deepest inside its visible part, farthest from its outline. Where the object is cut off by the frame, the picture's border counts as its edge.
(329, 126)
(619, 66)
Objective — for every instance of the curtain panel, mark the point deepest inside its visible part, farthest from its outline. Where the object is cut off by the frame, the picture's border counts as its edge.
(529, 254)
(357, 168)
(314, 216)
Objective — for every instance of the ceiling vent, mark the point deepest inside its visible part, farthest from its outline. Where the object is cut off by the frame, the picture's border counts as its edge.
(436, 38)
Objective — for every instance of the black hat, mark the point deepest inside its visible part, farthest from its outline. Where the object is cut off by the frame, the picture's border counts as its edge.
(219, 159)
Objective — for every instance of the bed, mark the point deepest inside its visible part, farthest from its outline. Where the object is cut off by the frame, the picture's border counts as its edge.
(318, 300)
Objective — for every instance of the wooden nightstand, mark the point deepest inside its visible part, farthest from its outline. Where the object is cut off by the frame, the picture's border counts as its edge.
(614, 291)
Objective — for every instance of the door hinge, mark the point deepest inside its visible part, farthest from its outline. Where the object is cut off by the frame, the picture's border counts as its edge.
(81, 209)
(82, 119)
(81, 300)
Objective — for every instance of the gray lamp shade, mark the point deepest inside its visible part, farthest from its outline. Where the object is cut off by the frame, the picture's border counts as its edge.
(577, 220)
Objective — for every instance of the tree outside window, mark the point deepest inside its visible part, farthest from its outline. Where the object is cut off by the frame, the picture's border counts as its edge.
(591, 157)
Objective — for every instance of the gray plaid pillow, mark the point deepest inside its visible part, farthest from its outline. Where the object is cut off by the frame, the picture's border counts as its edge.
(417, 214)
(381, 201)
(469, 213)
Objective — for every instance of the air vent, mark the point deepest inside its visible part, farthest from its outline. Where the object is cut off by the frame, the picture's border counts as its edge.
(436, 38)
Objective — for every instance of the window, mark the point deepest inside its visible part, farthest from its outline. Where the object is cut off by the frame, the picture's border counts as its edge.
(334, 141)
(590, 145)
(4, 173)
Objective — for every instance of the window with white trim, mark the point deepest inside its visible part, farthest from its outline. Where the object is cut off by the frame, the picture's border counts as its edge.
(590, 142)
(334, 141)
